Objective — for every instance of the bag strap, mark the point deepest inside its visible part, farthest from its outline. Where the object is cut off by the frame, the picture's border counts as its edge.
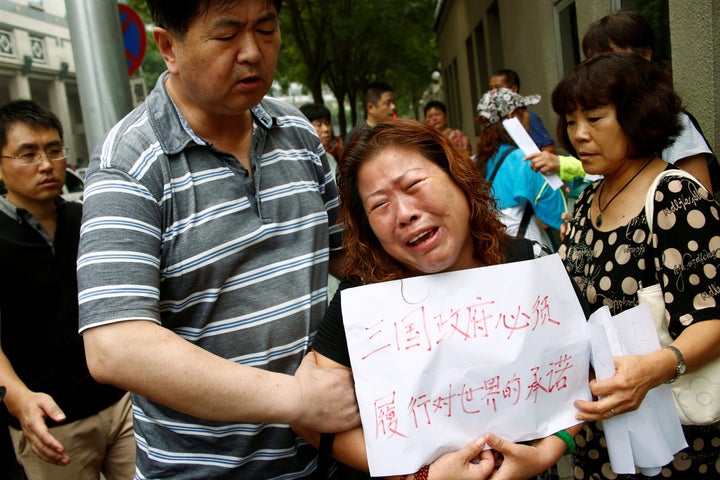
(650, 198)
(518, 249)
(650, 202)
(499, 162)
(527, 215)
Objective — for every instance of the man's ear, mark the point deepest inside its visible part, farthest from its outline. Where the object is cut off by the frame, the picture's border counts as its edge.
(167, 43)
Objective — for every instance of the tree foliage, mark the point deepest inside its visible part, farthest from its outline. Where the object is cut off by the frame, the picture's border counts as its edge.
(345, 44)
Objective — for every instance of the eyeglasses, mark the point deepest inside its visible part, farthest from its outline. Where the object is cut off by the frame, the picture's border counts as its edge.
(54, 154)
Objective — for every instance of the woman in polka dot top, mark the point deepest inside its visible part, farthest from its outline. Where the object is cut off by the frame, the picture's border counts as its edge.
(617, 112)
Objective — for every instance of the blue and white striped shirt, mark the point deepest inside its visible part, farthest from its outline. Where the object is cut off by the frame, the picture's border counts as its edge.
(175, 231)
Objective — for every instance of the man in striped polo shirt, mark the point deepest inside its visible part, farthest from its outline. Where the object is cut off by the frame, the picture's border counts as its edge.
(208, 229)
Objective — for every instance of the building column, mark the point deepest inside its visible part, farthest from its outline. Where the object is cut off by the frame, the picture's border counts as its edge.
(19, 87)
(695, 41)
(57, 95)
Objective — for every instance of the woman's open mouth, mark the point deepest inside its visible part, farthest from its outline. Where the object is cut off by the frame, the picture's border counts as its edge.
(422, 237)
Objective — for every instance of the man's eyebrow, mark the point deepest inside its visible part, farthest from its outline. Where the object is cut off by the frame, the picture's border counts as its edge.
(31, 145)
(223, 22)
(268, 16)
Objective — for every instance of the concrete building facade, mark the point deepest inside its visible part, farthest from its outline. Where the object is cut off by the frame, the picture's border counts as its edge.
(540, 39)
(36, 62)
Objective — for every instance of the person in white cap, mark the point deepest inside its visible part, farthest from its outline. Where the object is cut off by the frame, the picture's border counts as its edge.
(521, 193)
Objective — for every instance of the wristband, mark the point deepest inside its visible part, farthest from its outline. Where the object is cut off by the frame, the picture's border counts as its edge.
(569, 441)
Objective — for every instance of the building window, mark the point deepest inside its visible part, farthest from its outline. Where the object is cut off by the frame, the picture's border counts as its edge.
(37, 46)
(483, 70)
(568, 40)
(472, 69)
(494, 35)
(36, 4)
(657, 13)
(7, 45)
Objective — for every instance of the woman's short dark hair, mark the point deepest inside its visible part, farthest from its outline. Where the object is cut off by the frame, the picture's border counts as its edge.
(315, 111)
(365, 256)
(647, 106)
(176, 15)
(624, 29)
(435, 104)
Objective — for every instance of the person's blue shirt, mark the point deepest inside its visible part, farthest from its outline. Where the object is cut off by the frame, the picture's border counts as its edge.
(538, 133)
(517, 183)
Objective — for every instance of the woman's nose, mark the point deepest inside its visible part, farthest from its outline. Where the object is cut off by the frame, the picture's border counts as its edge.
(406, 211)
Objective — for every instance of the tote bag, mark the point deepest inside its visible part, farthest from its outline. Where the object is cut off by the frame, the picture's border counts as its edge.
(696, 400)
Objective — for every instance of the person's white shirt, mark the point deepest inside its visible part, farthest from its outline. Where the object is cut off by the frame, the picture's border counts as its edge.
(690, 142)
(512, 217)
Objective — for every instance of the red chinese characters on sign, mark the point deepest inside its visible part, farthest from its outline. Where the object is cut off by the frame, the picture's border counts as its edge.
(483, 396)
(386, 417)
(440, 359)
(468, 323)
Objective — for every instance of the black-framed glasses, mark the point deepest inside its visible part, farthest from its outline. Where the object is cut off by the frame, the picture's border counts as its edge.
(54, 154)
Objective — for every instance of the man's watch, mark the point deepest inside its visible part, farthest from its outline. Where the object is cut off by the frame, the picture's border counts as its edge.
(681, 367)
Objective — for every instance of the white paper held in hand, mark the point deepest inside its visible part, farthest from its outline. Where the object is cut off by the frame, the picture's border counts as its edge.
(522, 139)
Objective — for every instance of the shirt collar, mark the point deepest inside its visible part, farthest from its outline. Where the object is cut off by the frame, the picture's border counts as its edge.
(18, 213)
(166, 117)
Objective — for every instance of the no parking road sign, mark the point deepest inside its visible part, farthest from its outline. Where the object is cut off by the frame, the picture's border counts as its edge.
(133, 31)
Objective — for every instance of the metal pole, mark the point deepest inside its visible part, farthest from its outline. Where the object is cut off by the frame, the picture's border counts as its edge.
(100, 65)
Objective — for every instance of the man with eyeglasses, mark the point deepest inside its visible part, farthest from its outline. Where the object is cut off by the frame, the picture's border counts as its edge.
(63, 424)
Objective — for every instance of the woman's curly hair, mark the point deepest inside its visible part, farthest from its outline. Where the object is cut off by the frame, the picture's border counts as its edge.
(365, 256)
(491, 137)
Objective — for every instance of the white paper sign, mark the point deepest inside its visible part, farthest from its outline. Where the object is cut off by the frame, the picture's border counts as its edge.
(525, 143)
(441, 359)
(649, 436)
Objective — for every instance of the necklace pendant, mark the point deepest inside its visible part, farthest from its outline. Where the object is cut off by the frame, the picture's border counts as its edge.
(598, 220)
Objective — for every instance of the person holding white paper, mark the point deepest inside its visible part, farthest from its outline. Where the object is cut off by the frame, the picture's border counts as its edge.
(522, 194)
(617, 113)
(414, 204)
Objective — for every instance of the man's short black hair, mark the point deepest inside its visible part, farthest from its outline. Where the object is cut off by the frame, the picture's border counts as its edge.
(29, 113)
(176, 15)
(374, 92)
(512, 79)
